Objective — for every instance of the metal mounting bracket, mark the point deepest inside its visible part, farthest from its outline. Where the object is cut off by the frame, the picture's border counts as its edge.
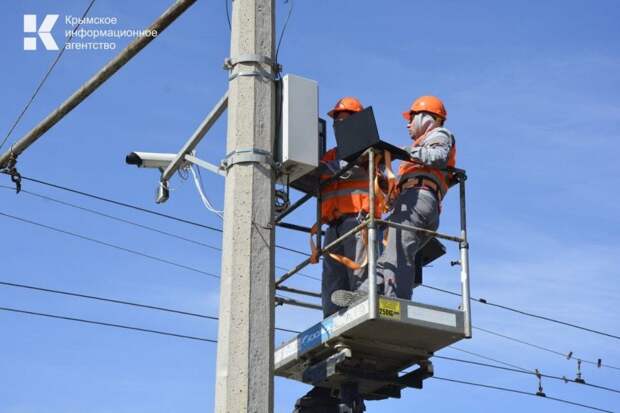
(231, 62)
(204, 164)
(322, 370)
(253, 73)
(249, 155)
(11, 170)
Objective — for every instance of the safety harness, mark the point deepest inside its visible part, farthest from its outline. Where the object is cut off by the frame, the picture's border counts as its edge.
(384, 202)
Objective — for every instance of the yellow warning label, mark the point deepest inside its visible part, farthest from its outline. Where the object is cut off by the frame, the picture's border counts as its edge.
(389, 309)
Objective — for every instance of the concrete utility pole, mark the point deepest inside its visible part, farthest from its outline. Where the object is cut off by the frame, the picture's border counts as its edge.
(244, 380)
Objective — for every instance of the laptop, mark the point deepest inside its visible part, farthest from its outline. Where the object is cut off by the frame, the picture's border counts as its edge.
(359, 132)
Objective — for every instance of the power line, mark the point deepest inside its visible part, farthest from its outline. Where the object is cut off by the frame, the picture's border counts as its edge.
(123, 204)
(107, 244)
(47, 74)
(216, 276)
(526, 313)
(227, 14)
(288, 16)
(166, 333)
(137, 208)
(488, 386)
(133, 223)
(115, 218)
(516, 340)
(101, 323)
(123, 302)
(488, 358)
(568, 356)
(109, 300)
(532, 373)
(292, 250)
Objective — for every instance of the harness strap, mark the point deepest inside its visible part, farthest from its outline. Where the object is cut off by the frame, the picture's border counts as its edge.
(386, 197)
(347, 262)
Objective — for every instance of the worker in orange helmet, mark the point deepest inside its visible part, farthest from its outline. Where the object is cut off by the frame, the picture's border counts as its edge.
(344, 204)
(422, 184)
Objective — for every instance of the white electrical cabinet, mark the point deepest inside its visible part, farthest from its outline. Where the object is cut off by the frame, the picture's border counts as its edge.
(298, 145)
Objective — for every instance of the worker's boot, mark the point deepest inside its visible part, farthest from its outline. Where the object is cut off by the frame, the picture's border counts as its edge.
(346, 298)
(317, 400)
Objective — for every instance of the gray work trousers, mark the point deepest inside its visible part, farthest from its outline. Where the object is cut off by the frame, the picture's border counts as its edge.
(417, 207)
(337, 276)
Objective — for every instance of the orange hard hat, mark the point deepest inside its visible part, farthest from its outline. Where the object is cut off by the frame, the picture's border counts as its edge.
(430, 104)
(348, 104)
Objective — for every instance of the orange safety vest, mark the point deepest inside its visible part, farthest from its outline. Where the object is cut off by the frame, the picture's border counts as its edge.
(346, 195)
(410, 170)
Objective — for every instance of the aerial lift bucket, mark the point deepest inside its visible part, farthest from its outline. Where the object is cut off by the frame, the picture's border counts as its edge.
(369, 348)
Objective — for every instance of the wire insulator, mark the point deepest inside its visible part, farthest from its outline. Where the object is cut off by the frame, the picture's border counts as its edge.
(579, 379)
(540, 391)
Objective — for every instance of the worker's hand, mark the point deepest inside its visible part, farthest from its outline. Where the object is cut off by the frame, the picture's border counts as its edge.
(314, 252)
(315, 229)
(314, 257)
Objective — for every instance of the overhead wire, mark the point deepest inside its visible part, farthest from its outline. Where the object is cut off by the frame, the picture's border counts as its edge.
(166, 333)
(471, 353)
(315, 278)
(123, 204)
(204, 316)
(528, 372)
(288, 16)
(506, 389)
(102, 323)
(46, 76)
(116, 218)
(525, 313)
(123, 302)
(568, 356)
(526, 343)
(166, 261)
(104, 299)
(227, 14)
(138, 208)
(133, 223)
(108, 244)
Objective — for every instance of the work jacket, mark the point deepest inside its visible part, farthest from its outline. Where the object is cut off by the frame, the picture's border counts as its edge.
(348, 194)
(434, 151)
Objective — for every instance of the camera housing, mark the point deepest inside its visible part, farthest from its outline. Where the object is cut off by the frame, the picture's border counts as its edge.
(150, 159)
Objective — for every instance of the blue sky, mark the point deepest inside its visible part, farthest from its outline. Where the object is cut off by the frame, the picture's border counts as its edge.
(532, 94)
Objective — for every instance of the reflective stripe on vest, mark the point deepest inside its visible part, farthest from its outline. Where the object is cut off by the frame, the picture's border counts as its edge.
(347, 195)
(343, 192)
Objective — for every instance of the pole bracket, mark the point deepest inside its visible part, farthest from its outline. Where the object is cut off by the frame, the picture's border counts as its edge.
(247, 155)
(231, 62)
(11, 170)
(253, 73)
